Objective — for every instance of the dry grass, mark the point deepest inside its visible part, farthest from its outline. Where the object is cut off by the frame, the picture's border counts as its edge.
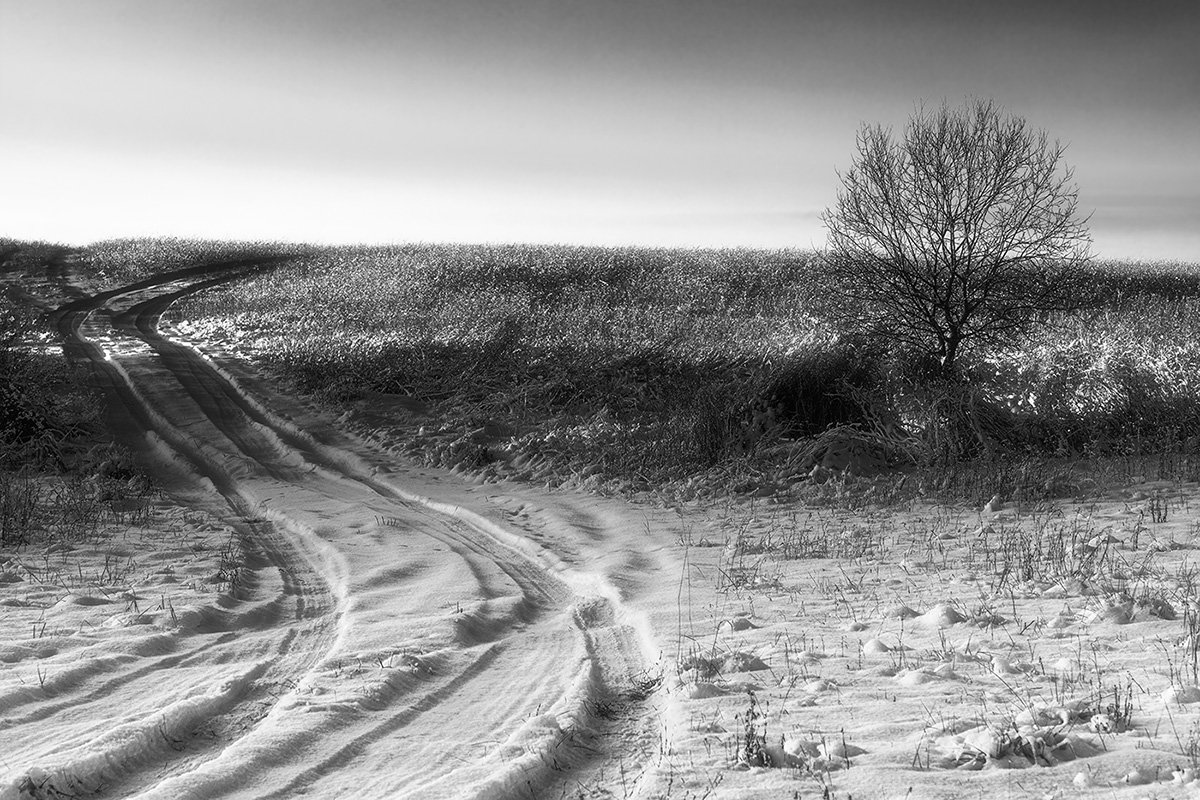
(698, 373)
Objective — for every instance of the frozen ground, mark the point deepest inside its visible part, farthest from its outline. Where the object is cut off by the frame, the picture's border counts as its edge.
(311, 615)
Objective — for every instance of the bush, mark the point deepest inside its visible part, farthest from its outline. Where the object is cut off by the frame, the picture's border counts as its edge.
(824, 387)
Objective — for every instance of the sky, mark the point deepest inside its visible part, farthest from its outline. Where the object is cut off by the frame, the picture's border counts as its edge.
(645, 122)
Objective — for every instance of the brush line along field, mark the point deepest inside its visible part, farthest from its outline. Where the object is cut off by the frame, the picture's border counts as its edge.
(697, 372)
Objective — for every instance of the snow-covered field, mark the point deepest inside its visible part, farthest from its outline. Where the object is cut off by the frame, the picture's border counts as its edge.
(312, 615)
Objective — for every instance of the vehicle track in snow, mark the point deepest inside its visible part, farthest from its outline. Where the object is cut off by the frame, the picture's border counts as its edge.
(392, 642)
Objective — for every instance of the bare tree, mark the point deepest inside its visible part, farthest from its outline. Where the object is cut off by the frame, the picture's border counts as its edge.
(962, 234)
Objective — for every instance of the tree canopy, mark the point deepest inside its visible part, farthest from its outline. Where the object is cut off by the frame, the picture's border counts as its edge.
(962, 233)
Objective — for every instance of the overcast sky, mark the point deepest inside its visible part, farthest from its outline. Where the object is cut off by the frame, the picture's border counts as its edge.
(681, 122)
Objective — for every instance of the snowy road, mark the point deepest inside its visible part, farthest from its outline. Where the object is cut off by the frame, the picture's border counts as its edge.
(393, 633)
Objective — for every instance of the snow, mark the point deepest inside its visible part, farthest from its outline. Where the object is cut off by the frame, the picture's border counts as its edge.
(398, 631)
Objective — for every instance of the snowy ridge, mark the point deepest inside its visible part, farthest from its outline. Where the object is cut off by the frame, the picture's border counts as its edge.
(89, 766)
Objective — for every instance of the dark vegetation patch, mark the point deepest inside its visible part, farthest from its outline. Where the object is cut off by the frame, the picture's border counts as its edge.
(60, 471)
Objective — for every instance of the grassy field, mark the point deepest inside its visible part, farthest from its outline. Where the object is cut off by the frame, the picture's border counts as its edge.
(712, 371)
(688, 373)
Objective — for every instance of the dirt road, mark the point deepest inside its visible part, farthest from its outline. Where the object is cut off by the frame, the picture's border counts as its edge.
(391, 633)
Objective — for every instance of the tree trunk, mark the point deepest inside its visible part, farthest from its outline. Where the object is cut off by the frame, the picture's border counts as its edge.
(949, 356)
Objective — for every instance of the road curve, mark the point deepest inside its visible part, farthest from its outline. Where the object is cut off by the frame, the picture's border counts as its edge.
(388, 639)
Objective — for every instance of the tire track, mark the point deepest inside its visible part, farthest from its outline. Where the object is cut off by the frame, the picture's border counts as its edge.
(534, 658)
(623, 687)
(301, 607)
